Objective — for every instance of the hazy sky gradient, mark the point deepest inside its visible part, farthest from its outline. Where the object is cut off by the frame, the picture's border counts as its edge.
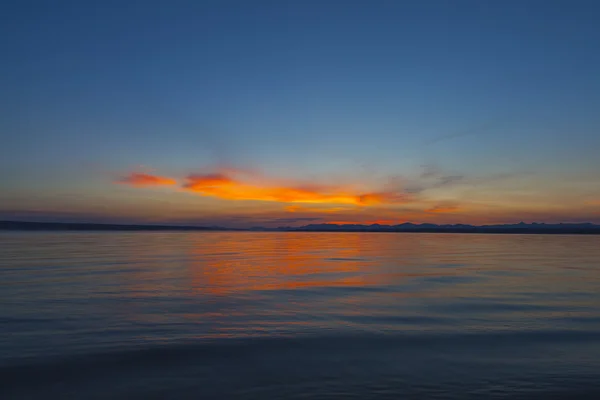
(448, 111)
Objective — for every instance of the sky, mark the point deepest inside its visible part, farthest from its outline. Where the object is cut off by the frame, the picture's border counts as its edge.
(286, 113)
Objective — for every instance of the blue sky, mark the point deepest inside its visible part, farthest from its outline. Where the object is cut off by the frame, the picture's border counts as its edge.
(302, 91)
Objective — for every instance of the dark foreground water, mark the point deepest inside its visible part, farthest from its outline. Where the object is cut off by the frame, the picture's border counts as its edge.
(298, 316)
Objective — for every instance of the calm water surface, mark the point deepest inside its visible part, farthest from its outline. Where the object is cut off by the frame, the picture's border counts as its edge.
(221, 315)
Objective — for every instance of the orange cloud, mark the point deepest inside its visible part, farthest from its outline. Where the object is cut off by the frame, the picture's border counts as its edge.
(382, 198)
(593, 203)
(142, 179)
(226, 187)
(443, 209)
(313, 210)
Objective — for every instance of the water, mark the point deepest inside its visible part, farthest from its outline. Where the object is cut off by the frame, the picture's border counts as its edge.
(218, 315)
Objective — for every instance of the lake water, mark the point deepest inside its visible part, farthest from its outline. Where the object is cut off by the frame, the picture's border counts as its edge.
(240, 315)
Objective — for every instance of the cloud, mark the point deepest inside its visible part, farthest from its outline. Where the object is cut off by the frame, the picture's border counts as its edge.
(383, 198)
(448, 180)
(435, 183)
(210, 180)
(481, 129)
(140, 179)
(430, 171)
(318, 209)
(226, 186)
(295, 220)
(443, 208)
(434, 177)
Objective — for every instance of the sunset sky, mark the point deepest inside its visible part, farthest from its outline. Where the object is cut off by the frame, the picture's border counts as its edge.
(286, 113)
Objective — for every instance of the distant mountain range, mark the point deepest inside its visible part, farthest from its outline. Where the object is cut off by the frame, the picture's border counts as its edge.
(540, 228)
(581, 228)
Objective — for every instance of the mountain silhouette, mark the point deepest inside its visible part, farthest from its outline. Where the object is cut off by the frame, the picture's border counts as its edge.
(521, 227)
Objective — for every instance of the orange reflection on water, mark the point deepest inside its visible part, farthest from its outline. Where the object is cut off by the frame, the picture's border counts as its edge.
(276, 261)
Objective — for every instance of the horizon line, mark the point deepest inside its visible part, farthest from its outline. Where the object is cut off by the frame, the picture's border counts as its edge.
(183, 226)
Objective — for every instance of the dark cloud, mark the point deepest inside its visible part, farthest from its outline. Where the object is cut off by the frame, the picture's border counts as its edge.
(434, 177)
(449, 180)
(430, 171)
